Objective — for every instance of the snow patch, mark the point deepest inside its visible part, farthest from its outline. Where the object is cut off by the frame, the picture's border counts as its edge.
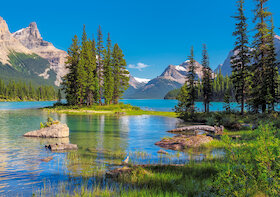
(141, 80)
(180, 68)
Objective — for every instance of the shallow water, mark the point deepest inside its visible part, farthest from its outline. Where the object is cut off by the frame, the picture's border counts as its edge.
(103, 142)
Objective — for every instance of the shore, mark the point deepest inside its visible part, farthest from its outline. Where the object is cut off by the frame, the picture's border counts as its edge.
(118, 109)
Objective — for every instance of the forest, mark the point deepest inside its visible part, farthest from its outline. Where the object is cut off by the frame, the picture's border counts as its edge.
(254, 82)
(20, 91)
(97, 73)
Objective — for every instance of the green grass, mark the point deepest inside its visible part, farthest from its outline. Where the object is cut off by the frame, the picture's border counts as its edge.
(117, 109)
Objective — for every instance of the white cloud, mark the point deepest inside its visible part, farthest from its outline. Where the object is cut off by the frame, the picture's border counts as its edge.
(140, 66)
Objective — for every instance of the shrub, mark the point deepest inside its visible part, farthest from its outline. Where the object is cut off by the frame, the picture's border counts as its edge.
(251, 168)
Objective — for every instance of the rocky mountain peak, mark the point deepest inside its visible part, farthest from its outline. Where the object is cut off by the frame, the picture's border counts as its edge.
(34, 31)
(4, 30)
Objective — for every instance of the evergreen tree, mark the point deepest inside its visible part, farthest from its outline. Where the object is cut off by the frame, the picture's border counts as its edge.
(100, 58)
(87, 61)
(260, 88)
(108, 78)
(120, 73)
(272, 71)
(96, 80)
(241, 57)
(70, 81)
(188, 94)
(206, 79)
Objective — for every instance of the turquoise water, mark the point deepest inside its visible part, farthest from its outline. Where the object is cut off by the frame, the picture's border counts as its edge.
(103, 141)
(146, 104)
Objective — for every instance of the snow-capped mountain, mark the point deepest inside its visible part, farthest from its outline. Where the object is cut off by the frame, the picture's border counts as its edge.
(178, 72)
(174, 76)
(142, 80)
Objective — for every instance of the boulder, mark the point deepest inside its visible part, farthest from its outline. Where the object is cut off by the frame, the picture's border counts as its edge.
(61, 147)
(115, 173)
(54, 131)
(181, 142)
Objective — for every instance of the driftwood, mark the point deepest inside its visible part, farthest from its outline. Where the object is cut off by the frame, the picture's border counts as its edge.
(206, 128)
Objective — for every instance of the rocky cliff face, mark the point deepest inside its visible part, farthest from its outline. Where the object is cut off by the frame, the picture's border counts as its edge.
(178, 73)
(30, 37)
(8, 44)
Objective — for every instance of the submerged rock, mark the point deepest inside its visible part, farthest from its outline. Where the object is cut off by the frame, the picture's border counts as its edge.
(47, 159)
(181, 142)
(58, 130)
(162, 152)
(61, 147)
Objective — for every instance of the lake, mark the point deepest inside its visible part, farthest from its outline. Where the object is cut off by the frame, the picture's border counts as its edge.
(146, 104)
(103, 142)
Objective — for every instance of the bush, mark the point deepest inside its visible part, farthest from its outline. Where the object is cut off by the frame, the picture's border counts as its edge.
(49, 122)
(252, 168)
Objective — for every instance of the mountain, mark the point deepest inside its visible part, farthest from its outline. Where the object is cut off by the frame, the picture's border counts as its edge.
(178, 73)
(30, 37)
(226, 66)
(25, 56)
(173, 77)
(18, 62)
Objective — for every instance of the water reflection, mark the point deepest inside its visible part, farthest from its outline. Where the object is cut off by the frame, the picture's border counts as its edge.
(103, 141)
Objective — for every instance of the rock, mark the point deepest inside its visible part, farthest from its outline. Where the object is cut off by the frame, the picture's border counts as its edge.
(47, 159)
(61, 147)
(118, 171)
(181, 142)
(54, 131)
(162, 152)
(219, 130)
(31, 38)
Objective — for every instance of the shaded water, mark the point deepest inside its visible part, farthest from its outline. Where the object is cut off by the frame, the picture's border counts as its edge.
(103, 142)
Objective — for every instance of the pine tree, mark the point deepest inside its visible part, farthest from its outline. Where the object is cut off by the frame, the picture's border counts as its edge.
(272, 71)
(260, 87)
(70, 81)
(96, 80)
(191, 75)
(188, 93)
(120, 73)
(108, 78)
(87, 60)
(206, 79)
(241, 57)
(100, 63)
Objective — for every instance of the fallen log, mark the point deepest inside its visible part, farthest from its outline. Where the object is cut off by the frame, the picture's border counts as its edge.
(206, 128)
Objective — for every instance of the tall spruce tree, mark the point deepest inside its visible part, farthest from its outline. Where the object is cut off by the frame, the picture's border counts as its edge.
(272, 70)
(186, 98)
(241, 58)
(120, 74)
(260, 88)
(108, 77)
(206, 79)
(100, 62)
(96, 80)
(70, 81)
(88, 59)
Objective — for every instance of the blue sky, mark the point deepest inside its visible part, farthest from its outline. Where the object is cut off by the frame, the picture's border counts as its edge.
(152, 33)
